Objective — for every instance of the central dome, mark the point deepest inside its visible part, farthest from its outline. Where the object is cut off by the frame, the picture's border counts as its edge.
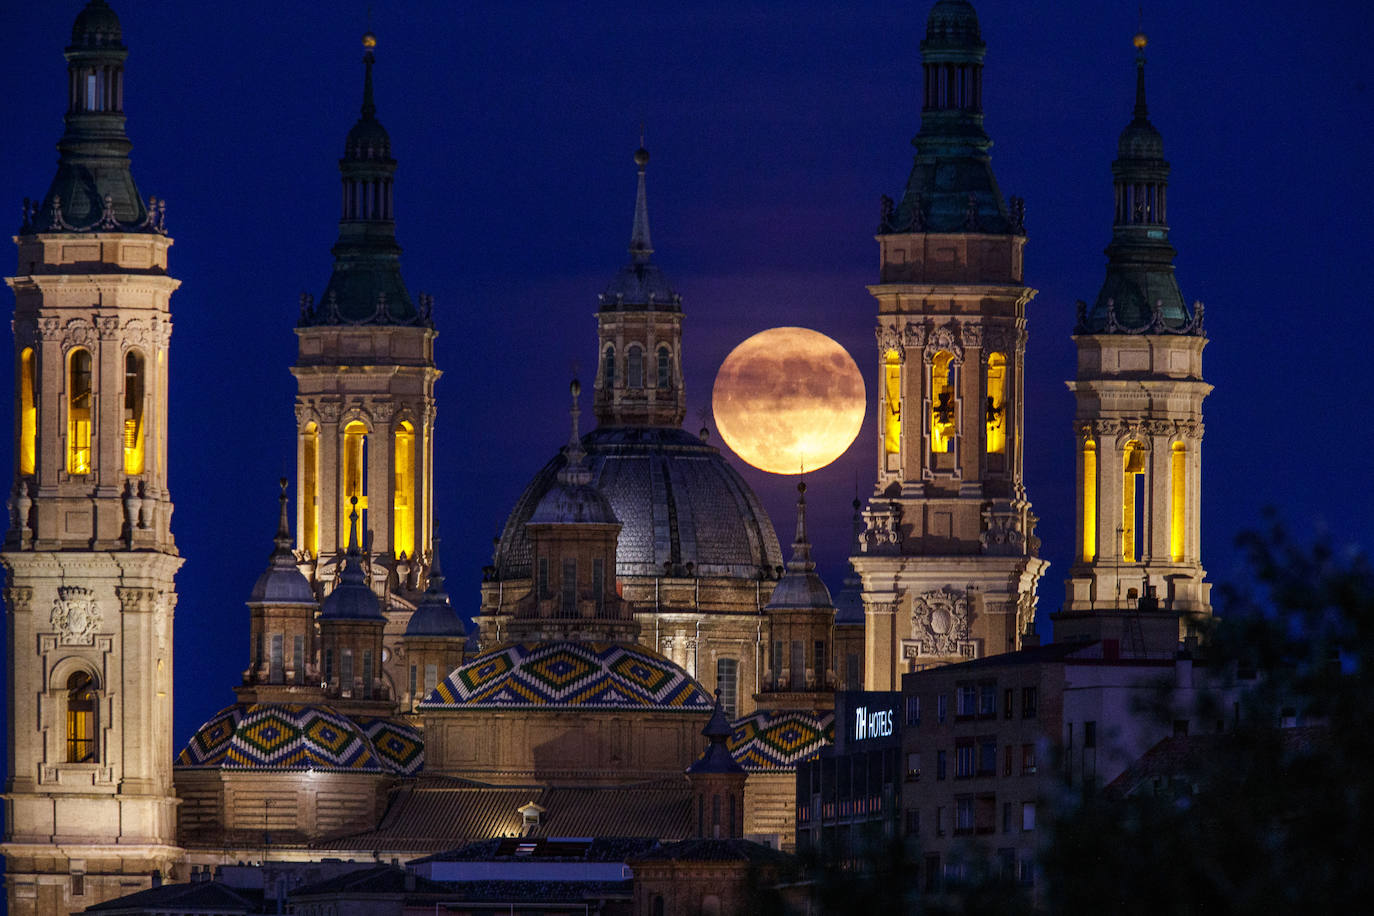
(677, 500)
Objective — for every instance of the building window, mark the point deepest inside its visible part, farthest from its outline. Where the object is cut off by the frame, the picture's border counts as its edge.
(346, 672)
(987, 700)
(1133, 506)
(133, 413)
(1178, 500)
(939, 764)
(79, 412)
(298, 659)
(932, 880)
(1028, 815)
(727, 682)
(310, 498)
(1027, 872)
(1028, 767)
(665, 368)
(995, 413)
(276, 671)
(367, 674)
(967, 699)
(1090, 734)
(634, 367)
(819, 658)
(913, 709)
(1006, 817)
(964, 815)
(942, 406)
(913, 822)
(1008, 703)
(941, 707)
(776, 662)
(81, 718)
(403, 496)
(1006, 760)
(569, 587)
(28, 414)
(328, 666)
(414, 683)
(599, 585)
(543, 575)
(987, 756)
(1089, 534)
(431, 678)
(913, 765)
(1028, 702)
(892, 403)
(964, 759)
(608, 369)
(354, 479)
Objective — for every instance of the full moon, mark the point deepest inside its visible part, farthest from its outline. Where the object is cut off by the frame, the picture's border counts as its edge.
(788, 400)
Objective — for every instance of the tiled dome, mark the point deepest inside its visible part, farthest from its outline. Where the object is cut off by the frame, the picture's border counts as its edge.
(676, 498)
(769, 740)
(567, 675)
(278, 736)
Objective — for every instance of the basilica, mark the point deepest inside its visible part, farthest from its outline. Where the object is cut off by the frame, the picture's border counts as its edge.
(638, 590)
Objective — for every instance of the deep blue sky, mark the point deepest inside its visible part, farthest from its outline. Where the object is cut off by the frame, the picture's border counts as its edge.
(774, 128)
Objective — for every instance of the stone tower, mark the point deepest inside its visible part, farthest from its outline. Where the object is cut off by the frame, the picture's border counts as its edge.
(88, 555)
(365, 379)
(1137, 581)
(949, 558)
(639, 327)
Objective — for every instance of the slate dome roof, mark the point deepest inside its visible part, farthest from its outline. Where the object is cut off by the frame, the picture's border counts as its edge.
(677, 499)
(279, 736)
(768, 740)
(96, 26)
(952, 20)
(569, 675)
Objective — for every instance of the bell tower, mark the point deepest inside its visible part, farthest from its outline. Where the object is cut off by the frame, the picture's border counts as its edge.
(365, 379)
(88, 553)
(949, 558)
(1137, 581)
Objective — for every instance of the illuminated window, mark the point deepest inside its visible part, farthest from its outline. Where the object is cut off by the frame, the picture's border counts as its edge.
(310, 498)
(403, 502)
(133, 412)
(634, 367)
(941, 402)
(665, 368)
(892, 396)
(79, 412)
(1089, 490)
(608, 373)
(1133, 502)
(81, 712)
(28, 412)
(355, 476)
(1178, 500)
(995, 414)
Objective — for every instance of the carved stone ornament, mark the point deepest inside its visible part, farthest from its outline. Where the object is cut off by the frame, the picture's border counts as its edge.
(1001, 535)
(942, 338)
(889, 340)
(329, 411)
(999, 338)
(914, 335)
(75, 615)
(940, 621)
(882, 529)
(107, 326)
(78, 333)
(971, 334)
(382, 411)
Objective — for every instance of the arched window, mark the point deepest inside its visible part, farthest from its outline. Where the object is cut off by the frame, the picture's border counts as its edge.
(995, 414)
(1178, 500)
(634, 367)
(79, 412)
(354, 479)
(81, 719)
(403, 503)
(133, 412)
(665, 368)
(608, 373)
(28, 412)
(892, 407)
(942, 407)
(310, 489)
(1133, 502)
(1089, 490)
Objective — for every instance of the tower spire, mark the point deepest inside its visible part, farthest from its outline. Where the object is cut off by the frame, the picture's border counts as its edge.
(640, 245)
(801, 547)
(369, 110)
(1142, 113)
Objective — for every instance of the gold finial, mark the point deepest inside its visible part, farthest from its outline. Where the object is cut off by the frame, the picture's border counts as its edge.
(1139, 41)
(369, 41)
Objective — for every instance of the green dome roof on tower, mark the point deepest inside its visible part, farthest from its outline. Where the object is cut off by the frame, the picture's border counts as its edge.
(94, 189)
(952, 187)
(366, 286)
(1140, 294)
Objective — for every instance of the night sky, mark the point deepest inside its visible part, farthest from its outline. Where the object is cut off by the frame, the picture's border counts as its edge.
(773, 129)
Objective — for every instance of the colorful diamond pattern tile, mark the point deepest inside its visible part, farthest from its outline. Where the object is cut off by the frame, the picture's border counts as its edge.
(569, 675)
(294, 737)
(770, 741)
